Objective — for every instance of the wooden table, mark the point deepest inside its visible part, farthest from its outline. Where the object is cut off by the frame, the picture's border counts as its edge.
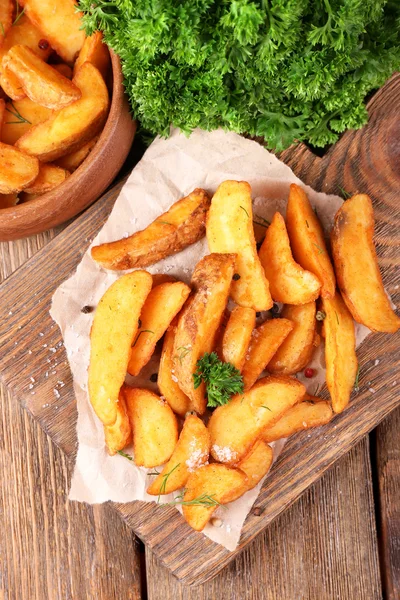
(341, 540)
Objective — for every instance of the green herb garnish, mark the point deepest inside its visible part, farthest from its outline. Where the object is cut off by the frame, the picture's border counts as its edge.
(307, 224)
(320, 250)
(18, 13)
(124, 455)
(346, 195)
(139, 334)
(3, 33)
(17, 115)
(267, 407)
(183, 351)
(164, 481)
(222, 379)
(337, 318)
(264, 222)
(203, 500)
(243, 208)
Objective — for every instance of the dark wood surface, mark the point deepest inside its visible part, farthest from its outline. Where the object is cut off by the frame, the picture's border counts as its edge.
(339, 549)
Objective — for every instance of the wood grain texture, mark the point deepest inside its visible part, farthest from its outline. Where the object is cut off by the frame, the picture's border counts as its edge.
(322, 548)
(163, 528)
(386, 442)
(51, 549)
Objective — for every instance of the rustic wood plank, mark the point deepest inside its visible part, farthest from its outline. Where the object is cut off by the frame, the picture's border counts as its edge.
(324, 547)
(387, 464)
(51, 549)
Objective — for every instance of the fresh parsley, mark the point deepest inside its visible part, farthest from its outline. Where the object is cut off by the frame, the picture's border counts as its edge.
(222, 379)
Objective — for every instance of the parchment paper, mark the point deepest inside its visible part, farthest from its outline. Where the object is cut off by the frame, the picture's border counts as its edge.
(170, 169)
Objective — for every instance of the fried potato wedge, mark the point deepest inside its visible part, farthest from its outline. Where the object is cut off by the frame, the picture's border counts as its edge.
(11, 84)
(230, 229)
(307, 240)
(40, 82)
(6, 17)
(264, 343)
(72, 161)
(71, 127)
(64, 69)
(236, 426)
(357, 267)
(207, 488)
(114, 328)
(296, 351)
(154, 425)
(18, 170)
(2, 114)
(191, 452)
(199, 321)
(304, 415)
(8, 200)
(340, 351)
(24, 32)
(96, 52)
(118, 435)
(21, 115)
(49, 177)
(289, 282)
(182, 225)
(167, 380)
(161, 306)
(59, 23)
(256, 463)
(237, 335)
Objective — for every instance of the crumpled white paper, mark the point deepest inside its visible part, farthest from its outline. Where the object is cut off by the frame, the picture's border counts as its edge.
(170, 169)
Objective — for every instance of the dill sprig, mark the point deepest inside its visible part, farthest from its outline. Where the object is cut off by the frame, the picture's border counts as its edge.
(202, 500)
(125, 455)
(19, 13)
(222, 379)
(139, 334)
(17, 115)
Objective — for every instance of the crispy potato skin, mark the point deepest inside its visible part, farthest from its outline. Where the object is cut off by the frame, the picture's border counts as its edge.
(340, 351)
(113, 330)
(182, 225)
(191, 452)
(357, 268)
(307, 240)
(49, 177)
(11, 84)
(18, 169)
(167, 380)
(289, 282)
(223, 484)
(256, 463)
(304, 415)
(154, 425)
(296, 351)
(199, 321)
(161, 306)
(60, 24)
(119, 435)
(230, 229)
(34, 113)
(40, 82)
(235, 427)
(237, 335)
(25, 33)
(72, 161)
(265, 341)
(95, 52)
(6, 14)
(71, 127)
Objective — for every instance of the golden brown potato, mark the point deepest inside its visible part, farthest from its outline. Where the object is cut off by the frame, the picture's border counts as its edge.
(71, 127)
(64, 69)
(307, 240)
(161, 306)
(72, 161)
(237, 334)
(6, 18)
(118, 435)
(154, 425)
(207, 488)
(265, 341)
(8, 200)
(191, 452)
(21, 115)
(340, 351)
(40, 82)
(289, 282)
(296, 351)
(298, 418)
(25, 32)
(159, 278)
(256, 463)
(11, 84)
(230, 229)
(167, 380)
(2, 114)
(236, 426)
(95, 52)
(183, 224)
(357, 268)
(199, 321)
(17, 169)
(59, 23)
(113, 331)
(49, 178)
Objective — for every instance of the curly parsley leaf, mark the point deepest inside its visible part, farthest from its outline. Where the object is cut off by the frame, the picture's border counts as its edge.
(222, 379)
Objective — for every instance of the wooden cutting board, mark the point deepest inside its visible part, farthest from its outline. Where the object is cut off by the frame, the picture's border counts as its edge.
(34, 366)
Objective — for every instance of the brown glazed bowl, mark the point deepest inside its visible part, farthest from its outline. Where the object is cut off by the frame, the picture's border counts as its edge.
(87, 183)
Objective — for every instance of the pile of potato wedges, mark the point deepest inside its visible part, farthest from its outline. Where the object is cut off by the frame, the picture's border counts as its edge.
(54, 99)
